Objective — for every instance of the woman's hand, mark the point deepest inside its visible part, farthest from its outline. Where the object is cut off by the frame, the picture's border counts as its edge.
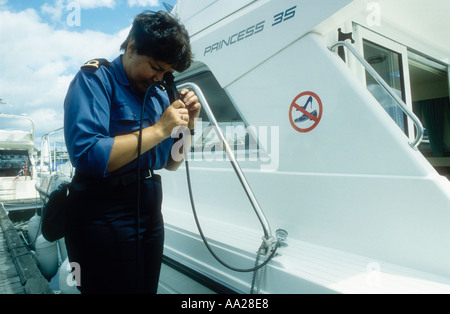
(176, 115)
(190, 100)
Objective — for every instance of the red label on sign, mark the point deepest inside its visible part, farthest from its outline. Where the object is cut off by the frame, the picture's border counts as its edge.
(305, 112)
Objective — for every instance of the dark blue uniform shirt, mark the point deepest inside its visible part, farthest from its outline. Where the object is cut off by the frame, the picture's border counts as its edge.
(102, 104)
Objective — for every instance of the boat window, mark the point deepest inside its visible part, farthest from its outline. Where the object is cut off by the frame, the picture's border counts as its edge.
(388, 64)
(430, 96)
(421, 81)
(14, 163)
(229, 119)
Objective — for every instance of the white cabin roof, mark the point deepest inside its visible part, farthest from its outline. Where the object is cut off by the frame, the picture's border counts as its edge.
(16, 140)
(197, 15)
(421, 21)
(14, 136)
(421, 24)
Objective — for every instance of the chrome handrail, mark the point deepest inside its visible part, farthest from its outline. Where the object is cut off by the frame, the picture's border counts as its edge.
(262, 218)
(45, 140)
(420, 131)
(5, 115)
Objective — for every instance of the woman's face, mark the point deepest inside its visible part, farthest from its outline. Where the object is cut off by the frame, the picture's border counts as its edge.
(143, 70)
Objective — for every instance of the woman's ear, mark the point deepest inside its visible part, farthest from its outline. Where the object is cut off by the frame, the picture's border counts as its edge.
(131, 47)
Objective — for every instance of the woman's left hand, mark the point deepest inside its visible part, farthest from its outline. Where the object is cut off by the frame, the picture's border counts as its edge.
(192, 105)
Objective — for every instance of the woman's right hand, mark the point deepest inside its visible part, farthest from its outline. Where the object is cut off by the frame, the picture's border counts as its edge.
(176, 115)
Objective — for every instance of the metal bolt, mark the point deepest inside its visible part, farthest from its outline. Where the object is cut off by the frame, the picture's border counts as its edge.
(281, 235)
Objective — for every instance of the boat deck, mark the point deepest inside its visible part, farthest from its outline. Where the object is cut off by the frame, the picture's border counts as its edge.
(9, 277)
(19, 273)
(173, 281)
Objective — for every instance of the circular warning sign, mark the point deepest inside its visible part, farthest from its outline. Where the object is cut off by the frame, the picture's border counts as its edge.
(305, 112)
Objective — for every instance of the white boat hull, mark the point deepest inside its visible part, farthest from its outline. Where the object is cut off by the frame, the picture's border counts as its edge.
(365, 211)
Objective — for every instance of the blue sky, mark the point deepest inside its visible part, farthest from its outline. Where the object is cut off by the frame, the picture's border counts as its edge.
(108, 16)
(44, 43)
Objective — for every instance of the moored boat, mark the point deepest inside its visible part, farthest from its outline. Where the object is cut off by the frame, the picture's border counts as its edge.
(337, 112)
(17, 164)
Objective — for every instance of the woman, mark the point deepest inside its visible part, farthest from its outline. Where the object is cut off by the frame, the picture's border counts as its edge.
(102, 123)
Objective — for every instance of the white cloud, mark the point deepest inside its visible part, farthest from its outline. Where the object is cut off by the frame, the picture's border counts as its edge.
(143, 3)
(54, 10)
(38, 63)
(84, 4)
(58, 8)
(92, 4)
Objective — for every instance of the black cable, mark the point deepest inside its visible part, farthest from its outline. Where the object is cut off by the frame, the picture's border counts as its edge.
(206, 242)
(173, 95)
(138, 210)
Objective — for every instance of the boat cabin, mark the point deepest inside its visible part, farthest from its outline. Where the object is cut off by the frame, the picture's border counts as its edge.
(337, 112)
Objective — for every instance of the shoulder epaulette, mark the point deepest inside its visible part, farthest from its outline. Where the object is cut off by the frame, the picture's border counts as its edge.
(94, 65)
(161, 87)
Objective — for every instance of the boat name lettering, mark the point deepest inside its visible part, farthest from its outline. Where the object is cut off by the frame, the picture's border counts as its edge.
(250, 31)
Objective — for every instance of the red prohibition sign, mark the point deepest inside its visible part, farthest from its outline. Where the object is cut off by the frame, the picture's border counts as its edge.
(308, 115)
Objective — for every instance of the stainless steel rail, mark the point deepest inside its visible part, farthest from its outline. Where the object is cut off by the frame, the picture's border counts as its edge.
(262, 218)
(5, 115)
(420, 131)
(45, 140)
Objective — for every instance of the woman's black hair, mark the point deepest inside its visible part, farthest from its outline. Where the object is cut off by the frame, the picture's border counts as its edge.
(161, 36)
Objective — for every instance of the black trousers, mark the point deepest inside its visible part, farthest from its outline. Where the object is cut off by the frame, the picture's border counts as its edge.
(102, 236)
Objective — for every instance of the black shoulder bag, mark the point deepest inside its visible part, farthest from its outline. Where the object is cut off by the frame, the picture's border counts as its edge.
(54, 214)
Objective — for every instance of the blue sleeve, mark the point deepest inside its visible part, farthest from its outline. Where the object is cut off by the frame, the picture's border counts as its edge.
(86, 124)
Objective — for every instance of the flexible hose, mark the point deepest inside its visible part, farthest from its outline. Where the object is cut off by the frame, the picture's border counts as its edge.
(138, 210)
(191, 197)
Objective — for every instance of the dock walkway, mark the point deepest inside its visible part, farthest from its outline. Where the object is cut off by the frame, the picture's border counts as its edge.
(19, 273)
(9, 277)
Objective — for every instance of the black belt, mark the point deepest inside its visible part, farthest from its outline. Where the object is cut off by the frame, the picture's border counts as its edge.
(129, 178)
(83, 182)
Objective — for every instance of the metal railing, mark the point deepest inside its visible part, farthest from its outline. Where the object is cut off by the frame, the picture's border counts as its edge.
(4, 115)
(420, 131)
(46, 149)
(262, 218)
